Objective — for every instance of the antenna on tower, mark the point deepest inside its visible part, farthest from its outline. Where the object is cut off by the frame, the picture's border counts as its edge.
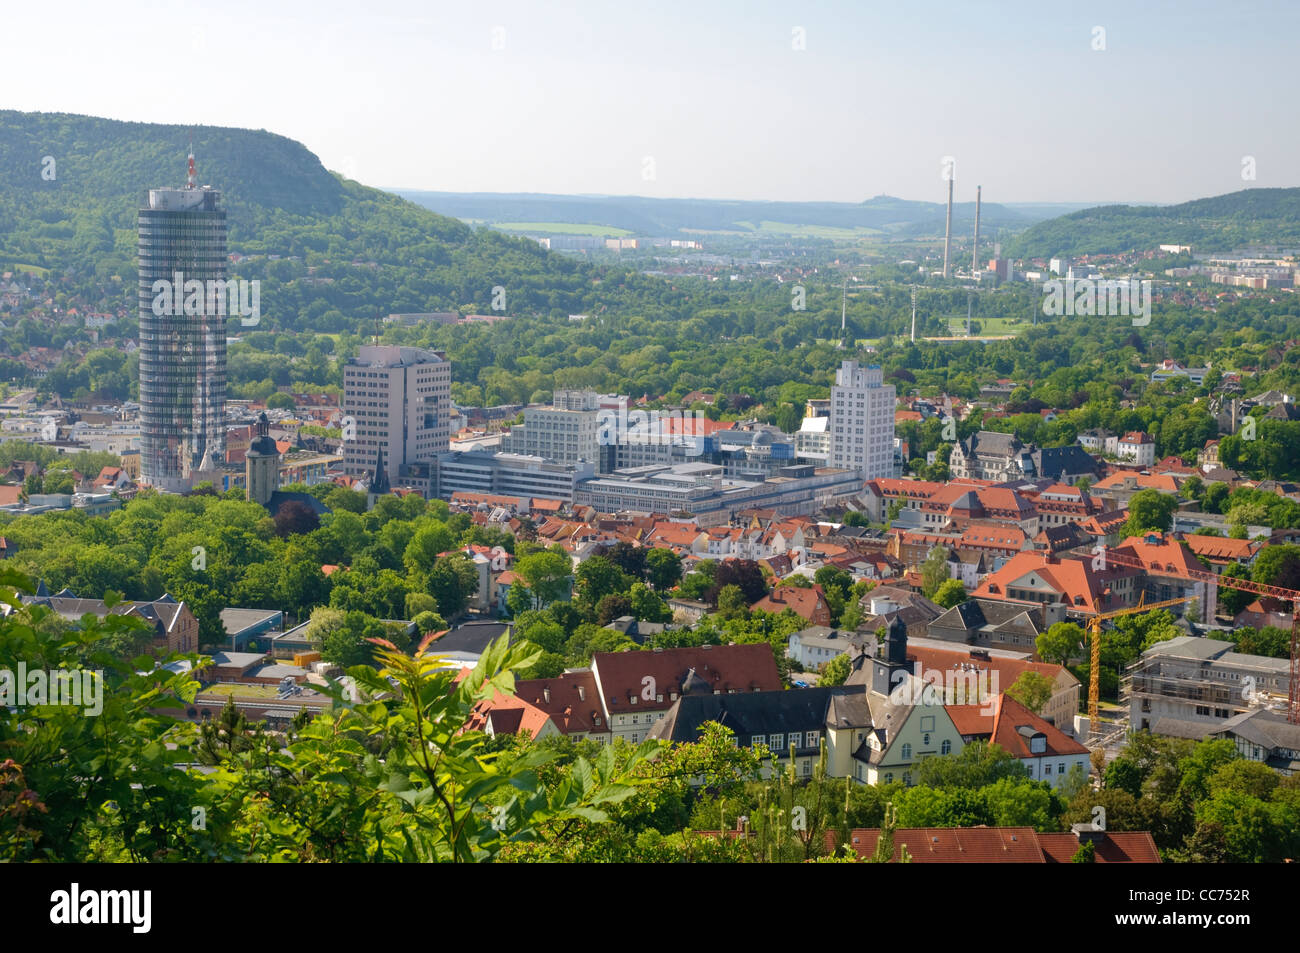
(975, 255)
(913, 314)
(192, 178)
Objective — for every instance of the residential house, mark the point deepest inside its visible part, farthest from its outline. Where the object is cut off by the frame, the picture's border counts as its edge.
(1045, 751)
(636, 689)
(807, 602)
(1266, 736)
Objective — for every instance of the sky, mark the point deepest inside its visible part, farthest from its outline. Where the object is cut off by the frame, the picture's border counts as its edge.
(803, 101)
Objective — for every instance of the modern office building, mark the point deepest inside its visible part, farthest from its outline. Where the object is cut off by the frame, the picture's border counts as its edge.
(567, 432)
(506, 474)
(862, 421)
(182, 239)
(398, 400)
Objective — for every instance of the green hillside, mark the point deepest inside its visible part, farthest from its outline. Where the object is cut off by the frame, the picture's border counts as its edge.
(369, 252)
(1218, 223)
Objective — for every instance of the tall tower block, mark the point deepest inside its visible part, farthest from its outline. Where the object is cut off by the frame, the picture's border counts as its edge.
(182, 239)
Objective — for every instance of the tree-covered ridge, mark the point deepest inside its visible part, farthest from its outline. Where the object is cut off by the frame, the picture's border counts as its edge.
(1220, 222)
(370, 252)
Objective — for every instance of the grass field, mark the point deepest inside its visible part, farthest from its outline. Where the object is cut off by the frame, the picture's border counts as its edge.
(998, 326)
(34, 269)
(562, 228)
(810, 231)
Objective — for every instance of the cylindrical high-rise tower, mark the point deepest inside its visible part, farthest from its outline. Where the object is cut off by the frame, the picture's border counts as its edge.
(182, 249)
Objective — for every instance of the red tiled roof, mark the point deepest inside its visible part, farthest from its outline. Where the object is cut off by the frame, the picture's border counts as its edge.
(573, 703)
(957, 845)
(1221, 547)
(1163, 555)
(1073, 580)
(726, 668)
(809, 603)
(1127, 847)
(1011, 716)
(1003, 845)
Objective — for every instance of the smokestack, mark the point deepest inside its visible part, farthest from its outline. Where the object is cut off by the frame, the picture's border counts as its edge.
(913, 314)
(947, 230)
(975, 255)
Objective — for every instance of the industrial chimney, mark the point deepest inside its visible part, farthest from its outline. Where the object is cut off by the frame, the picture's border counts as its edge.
(975, 255)
(947, 230)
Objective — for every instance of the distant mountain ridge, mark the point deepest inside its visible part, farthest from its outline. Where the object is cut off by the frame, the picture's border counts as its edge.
(654, 217)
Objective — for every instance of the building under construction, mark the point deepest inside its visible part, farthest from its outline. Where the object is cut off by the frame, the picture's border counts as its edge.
(1187, 686)
(182, 239)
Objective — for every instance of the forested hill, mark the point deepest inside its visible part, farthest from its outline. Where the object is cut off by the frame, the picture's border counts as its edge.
(370, 252)
(1218, 223)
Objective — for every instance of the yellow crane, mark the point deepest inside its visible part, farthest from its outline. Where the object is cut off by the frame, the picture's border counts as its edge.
(1094, 666)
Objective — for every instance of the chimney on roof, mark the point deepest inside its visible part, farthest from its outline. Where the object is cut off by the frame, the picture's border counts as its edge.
(1087, 834)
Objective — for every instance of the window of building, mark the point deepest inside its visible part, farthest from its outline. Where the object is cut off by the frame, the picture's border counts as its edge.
(813, 739)
(755, 741)
(907, 752)
(775, 742)
(946, 747)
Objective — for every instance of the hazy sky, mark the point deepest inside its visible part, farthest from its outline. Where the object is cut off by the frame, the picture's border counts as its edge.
(702, 98)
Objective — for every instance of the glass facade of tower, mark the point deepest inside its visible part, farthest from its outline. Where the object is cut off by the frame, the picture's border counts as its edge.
(182, 240)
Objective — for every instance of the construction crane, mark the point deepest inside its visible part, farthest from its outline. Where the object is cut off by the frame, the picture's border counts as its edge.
(1094, 666)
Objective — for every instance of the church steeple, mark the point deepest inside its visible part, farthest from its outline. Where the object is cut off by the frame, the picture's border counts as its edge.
(379, 485)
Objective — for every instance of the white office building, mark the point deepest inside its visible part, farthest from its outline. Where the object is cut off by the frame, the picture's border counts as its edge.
(862, 421)
(395, 399)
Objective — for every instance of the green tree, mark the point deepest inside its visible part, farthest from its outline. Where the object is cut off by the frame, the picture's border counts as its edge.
(1149, 511)
(976, 765)
(545, 578)
(663, 568)
(1061, 642)
(934, 571)
(836, 670)
(950, 593)
(1032, 690)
